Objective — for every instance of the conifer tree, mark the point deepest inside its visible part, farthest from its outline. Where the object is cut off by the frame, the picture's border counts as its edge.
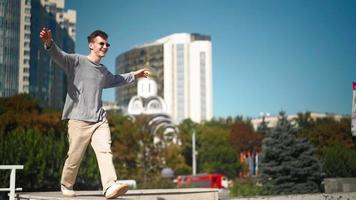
(263, 126)
(288, 164)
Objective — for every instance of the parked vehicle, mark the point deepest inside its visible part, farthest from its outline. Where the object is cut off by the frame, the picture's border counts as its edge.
(202, 181)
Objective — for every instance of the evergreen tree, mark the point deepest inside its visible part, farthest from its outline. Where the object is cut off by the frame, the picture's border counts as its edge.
(263, 127)
(288, 164)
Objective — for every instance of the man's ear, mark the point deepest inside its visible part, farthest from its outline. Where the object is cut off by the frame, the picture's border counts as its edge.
(90, 46)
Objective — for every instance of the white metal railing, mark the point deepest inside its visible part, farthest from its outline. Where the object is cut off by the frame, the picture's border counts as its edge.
(12, 187)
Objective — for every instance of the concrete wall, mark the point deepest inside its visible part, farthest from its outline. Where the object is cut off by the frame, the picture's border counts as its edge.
(333, 185)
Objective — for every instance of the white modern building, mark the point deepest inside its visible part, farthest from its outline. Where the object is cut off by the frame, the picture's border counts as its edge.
(181, 64)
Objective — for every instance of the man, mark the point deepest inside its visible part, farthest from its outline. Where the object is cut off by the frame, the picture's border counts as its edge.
(87, 77)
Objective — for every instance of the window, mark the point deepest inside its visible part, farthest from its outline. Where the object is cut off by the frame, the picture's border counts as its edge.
(180, 81)
(26, 44)
(202, 85)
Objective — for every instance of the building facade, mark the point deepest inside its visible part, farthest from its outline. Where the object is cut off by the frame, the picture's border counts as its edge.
(25, 66)
(66, 19)
(181, 64)
(47, 81)
(9, 46)
(24, 47)
(273, 120)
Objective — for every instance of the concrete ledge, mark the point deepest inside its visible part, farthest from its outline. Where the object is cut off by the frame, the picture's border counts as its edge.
(319, 196)
(148, 194)
(333, 185)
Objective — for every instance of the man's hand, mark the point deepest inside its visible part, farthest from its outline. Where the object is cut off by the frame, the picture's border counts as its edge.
(144, 72)
(46, 36)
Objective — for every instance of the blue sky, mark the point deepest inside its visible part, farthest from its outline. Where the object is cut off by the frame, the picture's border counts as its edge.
(268, 55)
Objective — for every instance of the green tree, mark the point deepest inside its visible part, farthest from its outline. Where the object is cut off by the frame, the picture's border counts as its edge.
(21, 103)
(173, 158)
(338, 161)
(21, 112)
(328, 131)
(41, 154)
(244, 138)
(305, 121)
(38, 140)
(125, 145)
(186, 128)
(288, 164)
(215, 154)
(137, 155)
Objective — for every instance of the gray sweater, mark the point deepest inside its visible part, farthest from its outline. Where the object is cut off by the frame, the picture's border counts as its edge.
(86, 80)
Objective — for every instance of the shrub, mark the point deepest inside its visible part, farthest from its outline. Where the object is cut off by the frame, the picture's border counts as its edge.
(338, 161)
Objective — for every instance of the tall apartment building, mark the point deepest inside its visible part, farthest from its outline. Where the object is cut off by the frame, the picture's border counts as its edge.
(182, 67)
(67, 19)
(24, 47)
(25, 67)
(47, 81)
(9, 46)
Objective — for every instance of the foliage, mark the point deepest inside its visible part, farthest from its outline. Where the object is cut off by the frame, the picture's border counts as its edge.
(38, 141)
(37, 138)
(326, 131)
(287, 163)
(333, 139)
(244, 138)
(186, 128)
(41, 154)
(22, 103)
(305, 121)
(215, 154)
(21, 112)
(263, 127)
(247, 187)
(338, 161)
(137, 156)
(173, 158)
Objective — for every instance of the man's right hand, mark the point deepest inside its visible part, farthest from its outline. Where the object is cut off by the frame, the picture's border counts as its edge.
(46, 37)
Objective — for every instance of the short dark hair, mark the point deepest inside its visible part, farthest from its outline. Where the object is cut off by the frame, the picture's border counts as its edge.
(97, 33)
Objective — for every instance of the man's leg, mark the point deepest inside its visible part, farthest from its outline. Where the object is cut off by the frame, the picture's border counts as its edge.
(101, 143)
(79, 134)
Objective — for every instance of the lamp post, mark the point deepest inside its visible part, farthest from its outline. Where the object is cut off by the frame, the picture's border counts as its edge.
(194, 153)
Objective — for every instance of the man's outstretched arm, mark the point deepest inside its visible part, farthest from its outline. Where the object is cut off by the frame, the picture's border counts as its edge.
(122, 79)
(63, 59)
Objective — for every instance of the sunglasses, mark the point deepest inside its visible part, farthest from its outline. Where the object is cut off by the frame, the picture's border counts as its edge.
(103, 43)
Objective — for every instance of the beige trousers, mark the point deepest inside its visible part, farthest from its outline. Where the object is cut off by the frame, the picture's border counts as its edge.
(80, 134)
